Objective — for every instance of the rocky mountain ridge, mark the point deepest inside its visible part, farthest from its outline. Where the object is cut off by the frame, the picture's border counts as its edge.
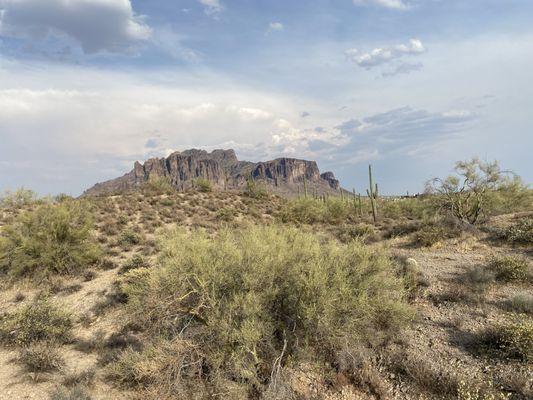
(283, 176)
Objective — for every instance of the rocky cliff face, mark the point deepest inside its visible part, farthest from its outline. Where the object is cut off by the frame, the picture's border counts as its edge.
(284, 176)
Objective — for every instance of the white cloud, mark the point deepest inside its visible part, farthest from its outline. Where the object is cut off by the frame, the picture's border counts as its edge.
(385, 55)
(97, 25)
(392, 4)
(275, 27)
(211, 6)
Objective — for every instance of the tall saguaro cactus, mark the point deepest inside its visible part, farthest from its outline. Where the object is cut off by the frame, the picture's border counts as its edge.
(305, 186)
(372, 194)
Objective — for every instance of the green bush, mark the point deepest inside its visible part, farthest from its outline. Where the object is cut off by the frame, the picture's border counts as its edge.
(432, 233)
(17, 199)
(521, 303)
(53, 239)
(255, 189)
(509, 268)
(512, 339)
(40, 357)
(304, 211)
(137, 261)
(158, 185)
(413, 208)
(226, 214)
(36, 322)
(246, 297)
(362, 231)
(203, 185)
(128, 237)
(75, 393)
(520, 232)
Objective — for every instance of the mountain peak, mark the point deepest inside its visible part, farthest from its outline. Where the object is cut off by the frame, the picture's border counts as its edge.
(284, 176)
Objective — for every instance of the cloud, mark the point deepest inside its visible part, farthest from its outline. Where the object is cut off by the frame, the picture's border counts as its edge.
(391, 4)
(380, 56)
(275, 27)
(211, 7)
(97, 25)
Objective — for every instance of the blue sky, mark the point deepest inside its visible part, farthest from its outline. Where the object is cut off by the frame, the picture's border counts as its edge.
(89, 86)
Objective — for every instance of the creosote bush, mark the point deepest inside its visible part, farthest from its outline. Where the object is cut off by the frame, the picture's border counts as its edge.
(510, 268)
(52, 239)
(203, 185)
(520, 232)
(40, 321)
(237, 304)
(512, 339)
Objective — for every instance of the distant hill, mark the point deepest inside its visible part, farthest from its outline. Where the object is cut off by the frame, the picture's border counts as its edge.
(283, 176)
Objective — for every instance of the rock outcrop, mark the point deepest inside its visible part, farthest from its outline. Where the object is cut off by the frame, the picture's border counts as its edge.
(284, 176)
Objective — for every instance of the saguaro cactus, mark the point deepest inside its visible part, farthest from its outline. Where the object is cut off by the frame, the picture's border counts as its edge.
(305, 187)
(372, 194)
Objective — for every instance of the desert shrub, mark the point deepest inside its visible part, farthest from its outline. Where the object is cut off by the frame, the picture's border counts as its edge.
(413, 208)
(479, 278)
(304, 211)
(137, 261)
(467, 195)
(426, 373)
(158, 185)
(247, 296)
(40, 357)
(203, 185)
(521, 303)
(336, 210)
(226, 214)
(509, 268)
(415, 280)
(466, 391)
(520, 232)
(255, 190)
(362, 231)
(75, 393)
(53, 239)
(433, 232)
(512, 339)
(17, 199)
(39, 321)
(129, 237)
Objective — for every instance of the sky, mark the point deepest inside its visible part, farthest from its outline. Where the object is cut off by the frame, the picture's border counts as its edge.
(87, 87)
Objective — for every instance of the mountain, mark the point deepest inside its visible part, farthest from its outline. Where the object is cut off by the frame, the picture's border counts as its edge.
(283, 176)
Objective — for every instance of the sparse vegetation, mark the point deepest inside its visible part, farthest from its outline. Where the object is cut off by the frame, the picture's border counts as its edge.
(243, 296)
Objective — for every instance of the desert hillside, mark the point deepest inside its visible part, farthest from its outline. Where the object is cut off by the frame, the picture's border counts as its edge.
(165, 294)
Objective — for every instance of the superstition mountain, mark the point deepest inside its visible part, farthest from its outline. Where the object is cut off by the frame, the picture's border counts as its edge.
(283, 176)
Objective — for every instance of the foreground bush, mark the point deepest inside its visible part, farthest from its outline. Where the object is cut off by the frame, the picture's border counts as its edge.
(40, 321)
(245, 301)
(53, 239)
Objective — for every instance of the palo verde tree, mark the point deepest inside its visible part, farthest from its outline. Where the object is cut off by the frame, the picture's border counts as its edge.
(467, 194)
